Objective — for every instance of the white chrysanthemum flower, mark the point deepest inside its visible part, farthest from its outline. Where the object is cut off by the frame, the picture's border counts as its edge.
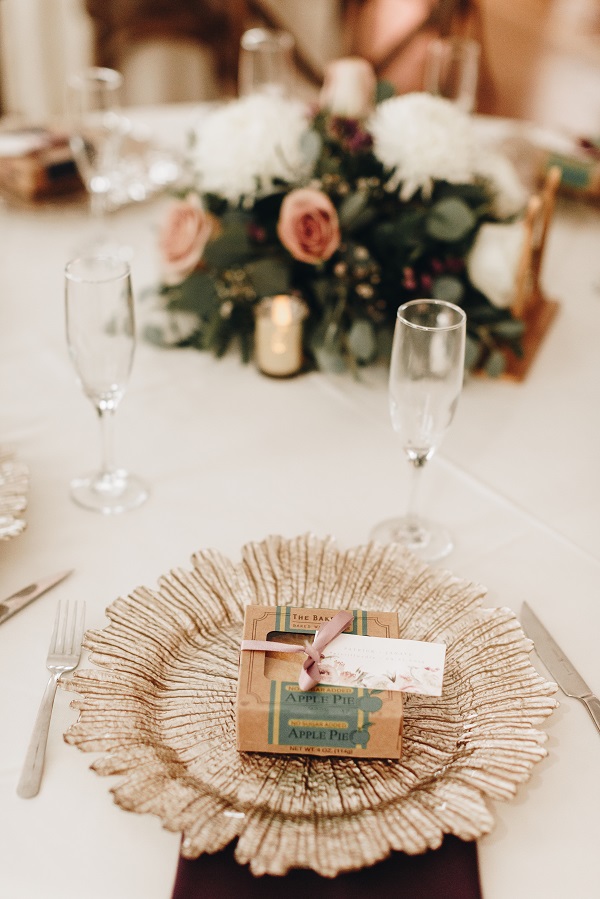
(423, 139)
(509, 194)
(243, 147)
(493, 261)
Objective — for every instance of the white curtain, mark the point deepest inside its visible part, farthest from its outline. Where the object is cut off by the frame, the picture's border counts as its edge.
(42, 42)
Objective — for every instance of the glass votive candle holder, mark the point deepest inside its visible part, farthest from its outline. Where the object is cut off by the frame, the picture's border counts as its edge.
(278, 335)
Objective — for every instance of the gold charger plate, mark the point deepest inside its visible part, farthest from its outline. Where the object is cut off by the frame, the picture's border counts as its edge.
(160, 709)
(14, 484)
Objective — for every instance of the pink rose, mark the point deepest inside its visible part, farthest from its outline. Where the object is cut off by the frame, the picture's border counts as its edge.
(183, 236)
(308, 225)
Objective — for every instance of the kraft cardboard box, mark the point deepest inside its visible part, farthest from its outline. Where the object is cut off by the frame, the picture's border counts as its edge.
(37, 163)
(274, 715)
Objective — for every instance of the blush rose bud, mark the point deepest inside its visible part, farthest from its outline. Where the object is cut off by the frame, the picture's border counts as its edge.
(308, 225)
(183, 236)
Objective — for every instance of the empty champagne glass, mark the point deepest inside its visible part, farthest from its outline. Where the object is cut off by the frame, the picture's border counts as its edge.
(96, 133)
(452, 70)
(425, 382)
(265, 62)
(101, 340)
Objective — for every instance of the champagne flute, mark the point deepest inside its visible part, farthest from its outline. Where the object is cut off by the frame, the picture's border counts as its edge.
(425, 382)
(96, 129)
(101, 340)
(265, 62)
(452, 70)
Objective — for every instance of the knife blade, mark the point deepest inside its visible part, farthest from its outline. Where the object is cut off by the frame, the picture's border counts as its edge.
(562, 670)
(23, 597)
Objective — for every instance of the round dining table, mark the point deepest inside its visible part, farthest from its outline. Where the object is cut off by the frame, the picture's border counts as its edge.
(232, 456)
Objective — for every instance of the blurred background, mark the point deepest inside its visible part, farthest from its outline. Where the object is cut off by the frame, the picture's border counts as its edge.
(540, 61)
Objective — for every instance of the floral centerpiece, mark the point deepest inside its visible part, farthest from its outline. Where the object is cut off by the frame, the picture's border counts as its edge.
(354, 206)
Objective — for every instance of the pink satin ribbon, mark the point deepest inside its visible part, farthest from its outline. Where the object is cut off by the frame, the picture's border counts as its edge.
(310, 674)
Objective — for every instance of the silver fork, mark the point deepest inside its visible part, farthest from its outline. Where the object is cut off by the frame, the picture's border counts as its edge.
(63, 656)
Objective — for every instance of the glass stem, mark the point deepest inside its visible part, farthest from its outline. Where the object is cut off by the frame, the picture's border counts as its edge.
(413, 516)
(98, 205)
(107, 431)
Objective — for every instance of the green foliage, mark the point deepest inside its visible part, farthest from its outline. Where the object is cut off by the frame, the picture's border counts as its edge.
(362, 342)
(391, 251)
(495, 364)
(450, 220)
(269, 276)
(448, 288)
(196, 294)
(384, 90)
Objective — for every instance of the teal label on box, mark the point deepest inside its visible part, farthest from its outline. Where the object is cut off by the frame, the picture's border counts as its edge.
(325, 716)
(575, 173)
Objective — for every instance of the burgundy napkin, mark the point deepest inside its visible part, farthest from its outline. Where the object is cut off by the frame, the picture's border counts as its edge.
(450, 871)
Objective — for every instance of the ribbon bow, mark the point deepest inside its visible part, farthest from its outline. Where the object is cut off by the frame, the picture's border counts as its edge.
(310, 674)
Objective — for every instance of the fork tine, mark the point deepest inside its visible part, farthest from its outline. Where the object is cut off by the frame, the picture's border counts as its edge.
(68, 627)
(78, 626)
(72, 620)
(57, 618)
(63, 630)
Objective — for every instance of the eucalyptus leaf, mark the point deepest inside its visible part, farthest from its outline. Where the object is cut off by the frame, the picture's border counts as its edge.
(472, 352)
(495, 364)
(329, 360)
(331, 166)
(448, 288)
(235, 220)
(402, 233)
(509, 328)
(484, 313)
(327, 336)
(155, 334)
(330, 335)
(409, 222)
(196, 294)
(361, 341)
(352, 207)
(246, 346)
(230, 249)
(311, 144)
(269, 276)
(385, 338)
(384, 90)
(321, 289)
(450, 220)
(222, 340)
(368, 215)
(473, 194)
(210, 335)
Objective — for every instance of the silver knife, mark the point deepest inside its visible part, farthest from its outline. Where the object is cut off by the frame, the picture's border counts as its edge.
(561, 669)
(23, 597)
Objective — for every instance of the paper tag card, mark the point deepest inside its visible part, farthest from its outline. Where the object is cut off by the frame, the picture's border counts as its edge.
(376, 663)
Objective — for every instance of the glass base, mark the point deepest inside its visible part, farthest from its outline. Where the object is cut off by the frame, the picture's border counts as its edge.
(109, 494)
(428, 540)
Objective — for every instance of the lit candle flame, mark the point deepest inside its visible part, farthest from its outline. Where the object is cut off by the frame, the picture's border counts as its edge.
(281, 311)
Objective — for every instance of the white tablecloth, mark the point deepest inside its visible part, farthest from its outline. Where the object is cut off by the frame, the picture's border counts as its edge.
(232, 456)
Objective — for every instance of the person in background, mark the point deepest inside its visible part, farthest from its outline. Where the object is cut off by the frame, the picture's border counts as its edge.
(394, 35)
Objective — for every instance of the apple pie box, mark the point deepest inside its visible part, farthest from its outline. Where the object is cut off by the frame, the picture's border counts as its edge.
(274, 714)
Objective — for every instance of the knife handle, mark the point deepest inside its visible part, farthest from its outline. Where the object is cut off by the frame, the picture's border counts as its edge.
(592, 704)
